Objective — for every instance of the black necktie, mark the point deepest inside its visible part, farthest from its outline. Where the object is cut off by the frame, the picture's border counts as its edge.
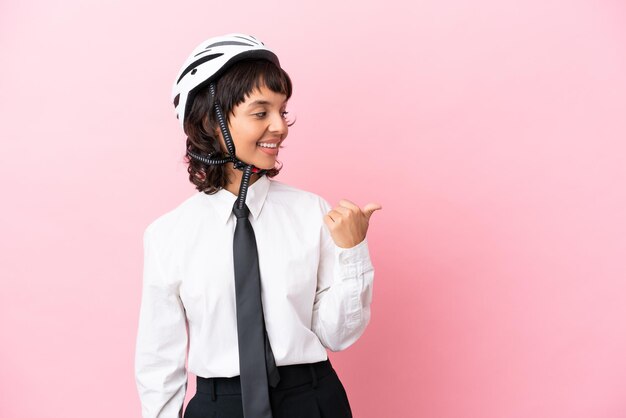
(257, 366)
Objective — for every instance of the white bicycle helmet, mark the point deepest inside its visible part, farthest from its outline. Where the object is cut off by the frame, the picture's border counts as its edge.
(208, 61)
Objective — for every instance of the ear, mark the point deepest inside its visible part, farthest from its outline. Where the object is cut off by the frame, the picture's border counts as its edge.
(206, 126)
(217, 134)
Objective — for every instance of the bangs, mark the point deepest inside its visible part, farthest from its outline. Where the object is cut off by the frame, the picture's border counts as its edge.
(247, 76)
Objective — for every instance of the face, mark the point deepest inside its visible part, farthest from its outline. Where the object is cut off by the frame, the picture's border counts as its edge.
(258, 126)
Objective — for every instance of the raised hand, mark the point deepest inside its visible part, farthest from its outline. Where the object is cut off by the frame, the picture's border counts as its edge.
(348, 223)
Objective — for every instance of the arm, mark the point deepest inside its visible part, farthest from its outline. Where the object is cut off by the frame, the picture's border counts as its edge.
(161, 347)
(341, 310)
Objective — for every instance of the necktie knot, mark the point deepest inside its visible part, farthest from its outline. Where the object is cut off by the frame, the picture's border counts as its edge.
(241, 213)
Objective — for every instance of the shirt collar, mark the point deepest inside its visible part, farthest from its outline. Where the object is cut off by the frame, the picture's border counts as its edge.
(255, 197)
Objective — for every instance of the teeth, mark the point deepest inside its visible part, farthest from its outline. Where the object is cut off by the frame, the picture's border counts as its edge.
(268, 145)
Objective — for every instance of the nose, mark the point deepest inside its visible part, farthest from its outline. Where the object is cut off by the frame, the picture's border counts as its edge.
(278, 124)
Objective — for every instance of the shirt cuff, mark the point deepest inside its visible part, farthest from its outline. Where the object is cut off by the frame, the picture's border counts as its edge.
(353, 261)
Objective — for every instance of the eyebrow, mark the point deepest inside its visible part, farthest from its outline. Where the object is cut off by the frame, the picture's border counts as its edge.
(262, 102)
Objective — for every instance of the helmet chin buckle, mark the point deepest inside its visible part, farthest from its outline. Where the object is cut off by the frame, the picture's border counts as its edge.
(240, 165)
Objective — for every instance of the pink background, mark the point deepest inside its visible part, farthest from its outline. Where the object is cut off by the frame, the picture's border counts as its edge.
(492, 133)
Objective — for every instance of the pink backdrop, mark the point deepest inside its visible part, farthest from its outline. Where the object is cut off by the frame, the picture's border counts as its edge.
(491, 132)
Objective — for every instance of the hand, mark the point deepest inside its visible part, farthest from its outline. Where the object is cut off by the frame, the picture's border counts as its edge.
(348, 223)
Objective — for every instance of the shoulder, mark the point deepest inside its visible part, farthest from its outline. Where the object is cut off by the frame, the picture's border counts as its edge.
(280, 192)
(166, 225)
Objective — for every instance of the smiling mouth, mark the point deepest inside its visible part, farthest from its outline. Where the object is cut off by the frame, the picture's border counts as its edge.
(267, 145)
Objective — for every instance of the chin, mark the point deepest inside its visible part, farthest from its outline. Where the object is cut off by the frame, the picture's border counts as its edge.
(265, 163)
(265, 166)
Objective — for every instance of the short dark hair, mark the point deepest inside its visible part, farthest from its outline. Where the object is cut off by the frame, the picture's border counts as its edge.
(231, 89)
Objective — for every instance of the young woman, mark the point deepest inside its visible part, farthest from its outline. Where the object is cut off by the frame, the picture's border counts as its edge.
(250, 280)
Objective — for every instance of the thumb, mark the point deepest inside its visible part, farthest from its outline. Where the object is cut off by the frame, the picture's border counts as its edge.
(370, 208)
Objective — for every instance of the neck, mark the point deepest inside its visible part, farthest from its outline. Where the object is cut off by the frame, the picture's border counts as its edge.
(234, 177)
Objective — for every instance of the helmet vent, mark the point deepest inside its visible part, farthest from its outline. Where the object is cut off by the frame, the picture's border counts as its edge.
(196, 63)
(224, 43)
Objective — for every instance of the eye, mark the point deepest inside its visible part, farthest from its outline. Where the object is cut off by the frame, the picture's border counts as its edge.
(260, 115)
(284, 114)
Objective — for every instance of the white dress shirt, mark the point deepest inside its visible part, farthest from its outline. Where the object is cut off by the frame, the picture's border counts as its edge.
(315, 294)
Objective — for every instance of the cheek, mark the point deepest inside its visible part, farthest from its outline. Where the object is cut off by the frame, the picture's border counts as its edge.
(241, 141)
(250, 135)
